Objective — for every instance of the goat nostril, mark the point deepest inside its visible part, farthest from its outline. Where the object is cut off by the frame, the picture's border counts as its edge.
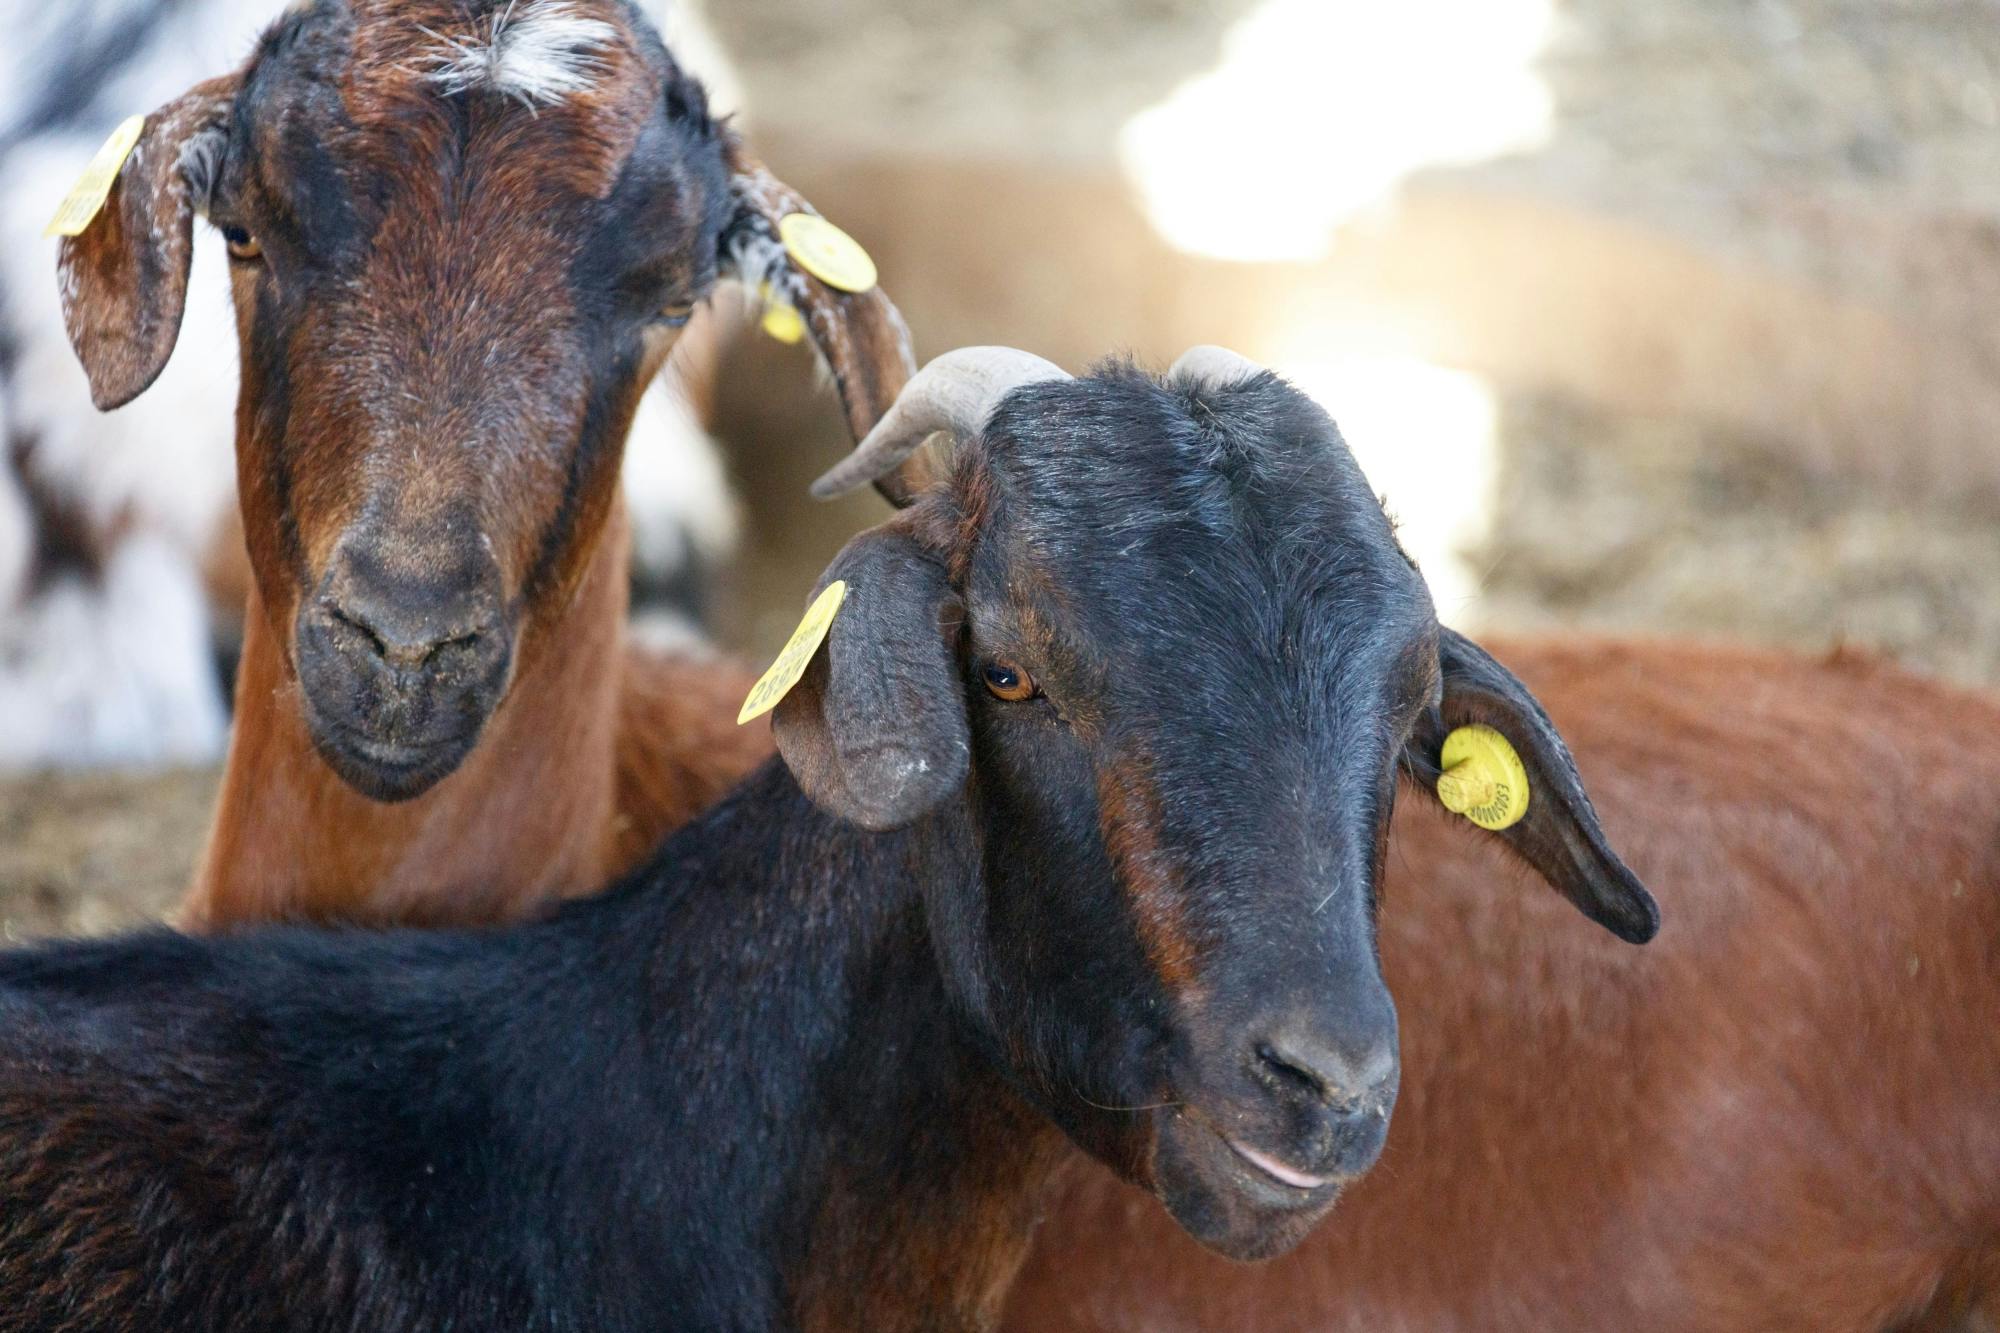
(414, 650)
(359, 626)
(1291, 1070)
(1341, 1082)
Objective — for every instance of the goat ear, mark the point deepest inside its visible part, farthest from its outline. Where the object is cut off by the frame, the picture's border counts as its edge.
(124, 280)
(861, 335)
(875, 732)
(1559, 835)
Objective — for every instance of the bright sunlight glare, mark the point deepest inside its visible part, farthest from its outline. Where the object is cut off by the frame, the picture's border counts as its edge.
(1320, 109)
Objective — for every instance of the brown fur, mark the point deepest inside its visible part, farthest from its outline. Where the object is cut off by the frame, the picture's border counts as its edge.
(678, 744)
(120, 323)
(899, 1264)
(1129, 820)
(79, 1163)
(1784, 1113)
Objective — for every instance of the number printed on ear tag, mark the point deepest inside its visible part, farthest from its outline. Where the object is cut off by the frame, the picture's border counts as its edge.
(1483, 778)
(826, 252)
(776, 683)
(92, 188)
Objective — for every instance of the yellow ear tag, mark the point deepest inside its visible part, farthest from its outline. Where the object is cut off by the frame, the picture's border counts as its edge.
(781, 319)
(92, 188)
(826, 252)
(1483, 778)
(792, 658)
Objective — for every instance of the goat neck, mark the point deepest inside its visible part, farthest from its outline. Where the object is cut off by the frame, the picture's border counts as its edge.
(896, 1178)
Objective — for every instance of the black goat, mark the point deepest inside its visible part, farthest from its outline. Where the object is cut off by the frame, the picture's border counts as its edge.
(1133, 686)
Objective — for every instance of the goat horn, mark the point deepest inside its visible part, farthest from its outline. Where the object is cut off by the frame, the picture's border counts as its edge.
(1213, 366)
(955, 392)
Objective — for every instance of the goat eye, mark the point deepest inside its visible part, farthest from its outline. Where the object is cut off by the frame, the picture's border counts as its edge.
(676, 316)
(242, 245)
(1007, 681)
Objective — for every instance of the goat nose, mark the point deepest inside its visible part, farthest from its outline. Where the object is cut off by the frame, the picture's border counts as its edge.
(402, 635)
(408, 619)
(1347, 1077)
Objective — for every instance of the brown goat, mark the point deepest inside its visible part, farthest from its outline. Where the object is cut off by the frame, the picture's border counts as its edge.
(463, 239)
(1782, 1114)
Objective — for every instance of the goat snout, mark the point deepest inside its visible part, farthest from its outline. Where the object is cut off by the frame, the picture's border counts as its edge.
(400, 670)
(416, 629)
(1327, 1090)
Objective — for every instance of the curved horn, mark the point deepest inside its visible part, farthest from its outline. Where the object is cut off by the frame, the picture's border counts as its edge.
(1207, 364)
(955, 393)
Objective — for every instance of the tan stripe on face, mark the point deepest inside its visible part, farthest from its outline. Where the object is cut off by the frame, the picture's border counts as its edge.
(1129, 821)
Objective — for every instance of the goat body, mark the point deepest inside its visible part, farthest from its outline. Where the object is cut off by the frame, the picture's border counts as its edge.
(722, 1096)
(734, 1094)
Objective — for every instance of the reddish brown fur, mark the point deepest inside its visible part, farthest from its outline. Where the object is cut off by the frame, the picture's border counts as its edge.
(954, 1249)
(81, 1162)
(580, 140)
(1129, 820)
(678, 745)
(1784, 1113)
(118, 327)
(975, 489)
(451, 275)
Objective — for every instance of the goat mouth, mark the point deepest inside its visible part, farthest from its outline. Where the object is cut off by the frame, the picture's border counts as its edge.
(1276, 1182)
(1277, 1170)
(389, 771)
(1234, 1199)
(389, 754)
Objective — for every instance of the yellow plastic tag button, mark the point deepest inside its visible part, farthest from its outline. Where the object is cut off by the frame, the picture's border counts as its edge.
(92, 188)
(781, 319)
(776, 683)
(1483, 778)
(826, 252)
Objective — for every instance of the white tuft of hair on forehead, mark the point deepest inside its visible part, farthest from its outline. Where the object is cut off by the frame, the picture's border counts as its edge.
(538, 52)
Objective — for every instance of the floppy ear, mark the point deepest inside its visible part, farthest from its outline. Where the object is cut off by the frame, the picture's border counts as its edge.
(875, 732)
(860, 335)
(124, 280)
(1559, 836)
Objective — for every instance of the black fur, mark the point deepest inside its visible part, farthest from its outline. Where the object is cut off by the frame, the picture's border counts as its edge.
(601, 1122)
